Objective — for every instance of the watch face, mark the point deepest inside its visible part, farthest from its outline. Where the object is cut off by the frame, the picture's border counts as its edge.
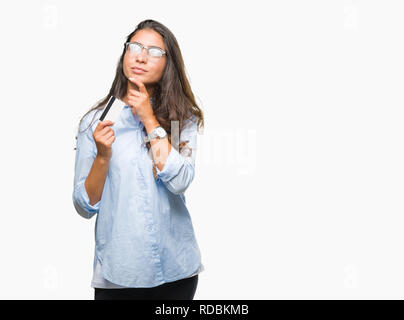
(160, 131)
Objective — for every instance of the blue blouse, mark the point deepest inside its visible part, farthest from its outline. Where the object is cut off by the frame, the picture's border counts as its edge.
(144, 235)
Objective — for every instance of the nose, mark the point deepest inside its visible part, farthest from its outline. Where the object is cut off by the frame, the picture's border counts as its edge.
(142, 55)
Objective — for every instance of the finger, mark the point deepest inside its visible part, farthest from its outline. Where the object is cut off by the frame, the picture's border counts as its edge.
(107, 122)
(108, 135)
(103, 132)
(133, 93)
(103, 124)
(105, 138)
(106, 131)
(132, 89)
(140, 85)
(133, 102)
(110, 140)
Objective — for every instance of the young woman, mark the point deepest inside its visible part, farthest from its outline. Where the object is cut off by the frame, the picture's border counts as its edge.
(133, 174)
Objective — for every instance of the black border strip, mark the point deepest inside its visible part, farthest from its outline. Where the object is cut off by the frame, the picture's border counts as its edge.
(109, 104)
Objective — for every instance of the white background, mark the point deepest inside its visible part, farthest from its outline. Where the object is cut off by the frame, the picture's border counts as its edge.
(299, 183)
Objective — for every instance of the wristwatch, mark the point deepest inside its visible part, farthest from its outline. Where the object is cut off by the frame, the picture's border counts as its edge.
(157, 132)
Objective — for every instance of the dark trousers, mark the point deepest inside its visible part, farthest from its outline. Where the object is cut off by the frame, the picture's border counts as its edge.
(183, 289)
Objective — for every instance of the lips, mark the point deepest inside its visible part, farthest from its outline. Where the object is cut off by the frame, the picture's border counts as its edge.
(136, 69)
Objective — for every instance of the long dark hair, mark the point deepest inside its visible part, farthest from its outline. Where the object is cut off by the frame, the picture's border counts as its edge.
(173, 99)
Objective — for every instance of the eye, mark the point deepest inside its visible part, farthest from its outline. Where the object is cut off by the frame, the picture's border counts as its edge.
(154, 52)
(134, 47)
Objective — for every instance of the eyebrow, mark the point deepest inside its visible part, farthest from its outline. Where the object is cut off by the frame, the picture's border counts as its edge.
(149, 46)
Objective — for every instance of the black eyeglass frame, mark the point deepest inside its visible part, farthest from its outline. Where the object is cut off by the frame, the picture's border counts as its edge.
(147, 48)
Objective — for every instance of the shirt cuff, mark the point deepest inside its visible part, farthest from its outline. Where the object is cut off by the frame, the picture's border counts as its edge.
(82, 202)
(172, 166)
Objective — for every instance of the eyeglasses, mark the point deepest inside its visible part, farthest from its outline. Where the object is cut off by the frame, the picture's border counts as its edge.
(136, 47)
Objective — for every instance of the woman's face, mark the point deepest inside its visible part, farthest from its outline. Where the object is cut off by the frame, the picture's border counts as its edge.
(154, 66)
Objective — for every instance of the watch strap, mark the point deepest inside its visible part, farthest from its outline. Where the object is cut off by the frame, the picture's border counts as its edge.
(153, 134)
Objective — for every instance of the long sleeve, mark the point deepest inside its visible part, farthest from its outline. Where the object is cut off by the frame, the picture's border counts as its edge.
(179, 168)
(144, 234)
(85, 155)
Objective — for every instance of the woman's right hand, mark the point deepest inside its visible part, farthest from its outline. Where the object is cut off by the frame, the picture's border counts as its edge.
(104, 137)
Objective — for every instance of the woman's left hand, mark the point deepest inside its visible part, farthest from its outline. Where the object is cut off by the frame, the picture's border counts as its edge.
(139, 101)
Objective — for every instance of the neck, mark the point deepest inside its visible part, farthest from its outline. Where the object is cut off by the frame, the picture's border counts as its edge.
(149, 88)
